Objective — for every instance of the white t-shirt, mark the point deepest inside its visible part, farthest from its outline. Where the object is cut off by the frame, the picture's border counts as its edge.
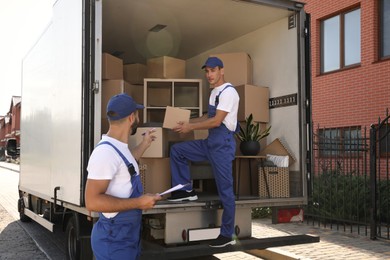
(228, 102)
(106, 164)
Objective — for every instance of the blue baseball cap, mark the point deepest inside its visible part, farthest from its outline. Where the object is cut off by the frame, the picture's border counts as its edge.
(213, 62)
(121, 106)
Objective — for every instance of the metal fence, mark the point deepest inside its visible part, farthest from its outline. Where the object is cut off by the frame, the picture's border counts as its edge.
(350, 187)
(380, 178)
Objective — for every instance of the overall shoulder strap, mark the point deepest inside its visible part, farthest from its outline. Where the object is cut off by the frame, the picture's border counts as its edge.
(217, 97)
(129, 165)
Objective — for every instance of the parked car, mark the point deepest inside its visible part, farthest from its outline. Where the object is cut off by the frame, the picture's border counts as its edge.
(2, 154)
(12, 151)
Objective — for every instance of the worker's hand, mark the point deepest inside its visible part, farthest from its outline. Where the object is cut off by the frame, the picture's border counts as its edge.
(148, 137)
(182, 127)
(148, 201)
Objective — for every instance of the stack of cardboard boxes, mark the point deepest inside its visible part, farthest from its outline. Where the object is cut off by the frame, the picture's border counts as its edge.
(253, 100)
(129, 78)
(112, 83)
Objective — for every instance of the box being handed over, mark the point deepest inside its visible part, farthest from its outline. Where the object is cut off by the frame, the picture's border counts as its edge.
(174, 115)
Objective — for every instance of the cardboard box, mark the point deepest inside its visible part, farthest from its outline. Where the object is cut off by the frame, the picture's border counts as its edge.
(137, 93)
(237, 67)
(134, 73)
(278, 148)
(161, 145)
(174, 115)
(104, 125)
(158, 148)
(155, 175)
(255, 100)
(166, 67)
(112, 67)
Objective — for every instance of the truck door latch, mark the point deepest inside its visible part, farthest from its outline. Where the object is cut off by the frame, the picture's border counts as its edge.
(96, 86)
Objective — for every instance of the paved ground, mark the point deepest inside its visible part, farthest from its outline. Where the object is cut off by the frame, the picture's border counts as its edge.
(15, 243)
(333, 244)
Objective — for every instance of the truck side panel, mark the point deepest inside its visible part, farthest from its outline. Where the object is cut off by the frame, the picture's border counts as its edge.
(52, 104)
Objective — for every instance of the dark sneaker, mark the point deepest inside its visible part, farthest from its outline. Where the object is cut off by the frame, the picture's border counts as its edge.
(222, 241)
(182, 195)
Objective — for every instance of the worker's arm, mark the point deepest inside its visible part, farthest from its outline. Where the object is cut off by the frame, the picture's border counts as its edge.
(199, 119)
(96, 199)
(139, 150)
(206, 123)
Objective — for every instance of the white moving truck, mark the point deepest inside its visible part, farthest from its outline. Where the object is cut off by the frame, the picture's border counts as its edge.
(62, 100)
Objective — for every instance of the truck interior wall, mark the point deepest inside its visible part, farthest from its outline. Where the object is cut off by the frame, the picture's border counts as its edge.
(273, 49)
(51, 113)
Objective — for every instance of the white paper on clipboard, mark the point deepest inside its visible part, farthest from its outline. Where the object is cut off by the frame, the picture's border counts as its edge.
(177, 187)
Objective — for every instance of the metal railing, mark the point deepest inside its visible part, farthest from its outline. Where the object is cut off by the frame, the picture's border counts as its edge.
(350, 187)
(380, 178)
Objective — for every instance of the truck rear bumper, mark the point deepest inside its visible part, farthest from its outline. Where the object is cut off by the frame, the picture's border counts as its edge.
(152, 251)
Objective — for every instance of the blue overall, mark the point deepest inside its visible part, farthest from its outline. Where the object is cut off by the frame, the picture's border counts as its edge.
(119, 237)
(219, 149)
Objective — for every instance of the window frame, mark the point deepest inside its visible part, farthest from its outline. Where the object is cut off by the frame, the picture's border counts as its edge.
(382, 143)
(381, 15)
(340, 143)
(342, 65)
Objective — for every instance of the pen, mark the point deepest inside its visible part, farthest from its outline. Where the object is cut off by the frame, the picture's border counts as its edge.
(151, 130)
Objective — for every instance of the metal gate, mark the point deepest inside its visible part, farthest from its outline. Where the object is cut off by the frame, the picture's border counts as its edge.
(350, 185)
(380, 178)
(339, 188)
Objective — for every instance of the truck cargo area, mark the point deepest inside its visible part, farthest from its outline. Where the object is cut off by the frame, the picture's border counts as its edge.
(76, 62)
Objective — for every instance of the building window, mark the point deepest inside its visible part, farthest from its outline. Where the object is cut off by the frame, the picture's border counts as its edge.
(340, 41)
(336, 142)
(384, 140)
(384, 13)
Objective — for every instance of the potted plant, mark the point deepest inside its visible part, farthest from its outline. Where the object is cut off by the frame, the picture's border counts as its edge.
(250, 136)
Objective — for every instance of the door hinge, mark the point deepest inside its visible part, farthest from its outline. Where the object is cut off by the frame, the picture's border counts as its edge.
(292, 22)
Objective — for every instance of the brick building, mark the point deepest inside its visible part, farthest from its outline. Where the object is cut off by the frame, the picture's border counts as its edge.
(350, 71)
(10, 123)
(350, 54)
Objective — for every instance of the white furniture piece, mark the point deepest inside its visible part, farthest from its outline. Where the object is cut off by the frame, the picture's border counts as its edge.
(160, 93)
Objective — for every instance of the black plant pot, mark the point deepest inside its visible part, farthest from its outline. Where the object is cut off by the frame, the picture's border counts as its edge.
(250, 147)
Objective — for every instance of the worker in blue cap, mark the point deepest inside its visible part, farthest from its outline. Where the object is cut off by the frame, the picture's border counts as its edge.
(219, 148)
(114, 187)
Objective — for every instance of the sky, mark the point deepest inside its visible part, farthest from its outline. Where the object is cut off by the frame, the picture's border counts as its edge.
(21, 23)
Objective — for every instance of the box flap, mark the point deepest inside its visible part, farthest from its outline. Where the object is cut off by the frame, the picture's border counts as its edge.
(278, 148)
(174, 115)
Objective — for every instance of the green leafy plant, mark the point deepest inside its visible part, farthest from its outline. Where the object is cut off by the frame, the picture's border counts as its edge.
(252, 131)
(261, 213)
